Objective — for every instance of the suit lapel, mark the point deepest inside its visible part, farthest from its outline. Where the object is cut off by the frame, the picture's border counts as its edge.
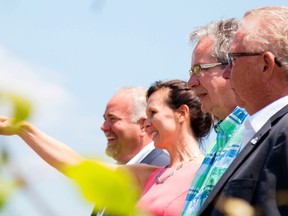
(243, 155)
(148, 159)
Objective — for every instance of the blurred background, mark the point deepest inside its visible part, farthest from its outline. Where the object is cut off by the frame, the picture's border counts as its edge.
(68, 58)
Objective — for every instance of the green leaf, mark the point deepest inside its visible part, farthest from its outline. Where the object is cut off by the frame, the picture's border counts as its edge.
(21, 109)
(107, 188)
(6, 189)
(21, 106)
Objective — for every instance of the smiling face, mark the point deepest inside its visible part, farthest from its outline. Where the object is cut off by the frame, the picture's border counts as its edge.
(213, 90)
(123, 135)
(162, 119)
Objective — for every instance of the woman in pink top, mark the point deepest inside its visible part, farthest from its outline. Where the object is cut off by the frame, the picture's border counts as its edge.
(176, 124)
(168, 198)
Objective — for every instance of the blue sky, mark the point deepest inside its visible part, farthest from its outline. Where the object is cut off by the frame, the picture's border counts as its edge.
(69, 57)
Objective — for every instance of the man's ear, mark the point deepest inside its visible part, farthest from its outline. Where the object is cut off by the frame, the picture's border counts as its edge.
(143, 124)
(268, 68)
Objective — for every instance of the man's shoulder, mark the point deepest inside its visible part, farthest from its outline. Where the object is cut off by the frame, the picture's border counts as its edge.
(157, 157)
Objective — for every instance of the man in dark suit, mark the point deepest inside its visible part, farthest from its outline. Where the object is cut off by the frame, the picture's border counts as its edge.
(257, 180)
(128, 139)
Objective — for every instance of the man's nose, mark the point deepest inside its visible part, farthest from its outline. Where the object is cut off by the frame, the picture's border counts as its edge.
(193, 81)
(104, 126)
(227, 72)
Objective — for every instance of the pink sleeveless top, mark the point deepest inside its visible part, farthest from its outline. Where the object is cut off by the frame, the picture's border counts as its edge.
(167, 199)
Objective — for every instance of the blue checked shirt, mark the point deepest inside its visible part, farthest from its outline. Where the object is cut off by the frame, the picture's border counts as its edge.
(225, 148)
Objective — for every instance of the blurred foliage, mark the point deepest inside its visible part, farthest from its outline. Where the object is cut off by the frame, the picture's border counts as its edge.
(21, 109)
(8, 182)
(6, 189)
(113, 190)
(235, 207)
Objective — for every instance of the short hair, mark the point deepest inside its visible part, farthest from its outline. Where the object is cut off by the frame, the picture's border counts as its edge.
(179, 94)
(221, 32)
(137, 95)
(267, 32)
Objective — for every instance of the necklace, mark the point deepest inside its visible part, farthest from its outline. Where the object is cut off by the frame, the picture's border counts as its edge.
(161, 181)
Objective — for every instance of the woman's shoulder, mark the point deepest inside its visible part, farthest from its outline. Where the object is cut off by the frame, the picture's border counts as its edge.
(141, 172)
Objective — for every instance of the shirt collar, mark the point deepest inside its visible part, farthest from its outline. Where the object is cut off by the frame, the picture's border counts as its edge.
(142, 154)
(228, 125)
(257, 120)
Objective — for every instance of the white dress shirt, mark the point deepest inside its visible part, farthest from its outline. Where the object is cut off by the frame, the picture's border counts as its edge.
(142, 154)
(255, 122)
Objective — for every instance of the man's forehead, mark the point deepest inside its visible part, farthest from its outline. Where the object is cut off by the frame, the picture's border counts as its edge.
(204, 43)
(202, 57)
(204, 46)
(116, 110)
(237, 43)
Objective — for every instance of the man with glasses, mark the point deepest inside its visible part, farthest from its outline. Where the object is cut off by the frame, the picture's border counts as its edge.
(209, 60)
(258, 73)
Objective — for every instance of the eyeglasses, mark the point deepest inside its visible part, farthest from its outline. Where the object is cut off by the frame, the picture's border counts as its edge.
(231, 57)
(197, 69)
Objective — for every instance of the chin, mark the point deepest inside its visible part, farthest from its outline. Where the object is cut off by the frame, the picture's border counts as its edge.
(239, 102)
(112, 152)
(159, 145)
(205, 109)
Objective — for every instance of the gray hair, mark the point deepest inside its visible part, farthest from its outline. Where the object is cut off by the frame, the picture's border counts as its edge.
(221, 32)
(268, 31)
(138, 103)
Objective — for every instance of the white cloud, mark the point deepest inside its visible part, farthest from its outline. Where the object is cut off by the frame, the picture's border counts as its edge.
(53, 106)
(42, 86)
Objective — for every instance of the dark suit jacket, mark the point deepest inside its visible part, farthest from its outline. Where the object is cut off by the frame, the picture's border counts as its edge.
(157, 157)
(259, 174)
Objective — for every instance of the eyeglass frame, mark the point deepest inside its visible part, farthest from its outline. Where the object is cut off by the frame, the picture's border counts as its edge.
(230, 57)
(205, 67)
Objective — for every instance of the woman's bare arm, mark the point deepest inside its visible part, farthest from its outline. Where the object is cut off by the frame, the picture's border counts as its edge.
(59, 155)
(54, 152)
